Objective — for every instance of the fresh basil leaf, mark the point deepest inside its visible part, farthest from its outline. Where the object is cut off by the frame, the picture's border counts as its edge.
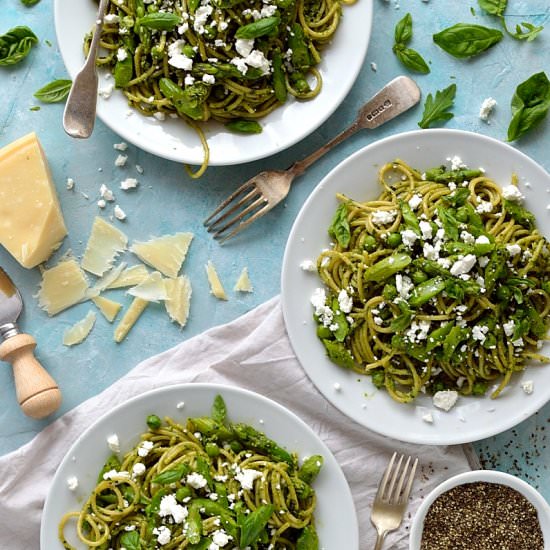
(403, 30)
(493, 7)
(466, 40)
(437, 108)
(29, 3)
(258, 28)
(339, 228)
(130, 540)
(529, 32)
(338, 353)
(54, 91)
(160, 21)
(254, 523)
(411, 59)
(530, 105)
(172, 475)
(15, 45)
(243, 126)
(124, 71)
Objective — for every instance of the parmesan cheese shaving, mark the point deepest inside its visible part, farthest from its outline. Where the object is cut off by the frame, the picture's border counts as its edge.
(109, 308)
(137, 307)
(63, 286)
(216, 287)
(131, 276)
(104, 244)
(166, 254)
(178, 300)
(79, 331)
(152, 289)
(106, 280)
(243, 283)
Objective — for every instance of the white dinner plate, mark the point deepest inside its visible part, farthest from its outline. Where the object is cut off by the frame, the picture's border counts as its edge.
(472, 418)
(175, 140)
(335, 514)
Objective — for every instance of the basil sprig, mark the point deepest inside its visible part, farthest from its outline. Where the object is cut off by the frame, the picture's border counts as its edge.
(409, 57)
(524, 30)
(15, 45)
(437, 108)
(530, 105)
(54, 92)
(466, 40)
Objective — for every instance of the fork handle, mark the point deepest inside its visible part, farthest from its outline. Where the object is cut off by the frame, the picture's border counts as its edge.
(380, 540)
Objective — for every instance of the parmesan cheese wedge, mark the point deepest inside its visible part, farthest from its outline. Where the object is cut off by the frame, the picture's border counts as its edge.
(63, 286)
(137, 307)
(216, 287)
(104, 244)
(79, 331)
(109, 308)
(31, 222)
(178, 299)
(152, 289)
(131, 276)
(166, 254)
(243, 283)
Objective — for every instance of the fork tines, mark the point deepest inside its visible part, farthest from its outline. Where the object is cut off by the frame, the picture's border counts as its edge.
(398, 473)
(236, 212)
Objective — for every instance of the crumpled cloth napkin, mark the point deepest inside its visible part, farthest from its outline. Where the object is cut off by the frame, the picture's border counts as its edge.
(242, 353)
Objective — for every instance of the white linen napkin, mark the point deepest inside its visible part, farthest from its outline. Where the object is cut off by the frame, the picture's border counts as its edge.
(242, 353)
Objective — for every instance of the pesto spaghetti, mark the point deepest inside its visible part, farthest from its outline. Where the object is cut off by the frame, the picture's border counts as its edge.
(441, 283)
(209, 484)
(227, 60)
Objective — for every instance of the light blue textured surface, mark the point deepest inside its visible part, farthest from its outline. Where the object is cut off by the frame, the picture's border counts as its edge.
(168, 201)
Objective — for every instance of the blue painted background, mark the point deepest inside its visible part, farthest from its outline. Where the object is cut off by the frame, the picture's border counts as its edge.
(168, 201)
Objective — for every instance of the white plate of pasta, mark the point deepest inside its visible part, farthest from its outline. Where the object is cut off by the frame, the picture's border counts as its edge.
(176, 492)
(339, 64)
(428, 319)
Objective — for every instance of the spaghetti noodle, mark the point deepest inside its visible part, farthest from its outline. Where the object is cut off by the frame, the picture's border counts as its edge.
(441, 283)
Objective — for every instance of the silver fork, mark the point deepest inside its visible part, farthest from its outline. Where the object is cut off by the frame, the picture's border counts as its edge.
(264, 191)
(392, 497)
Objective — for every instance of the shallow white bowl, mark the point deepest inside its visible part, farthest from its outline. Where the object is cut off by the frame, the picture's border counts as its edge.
(489, 476)
(173, 139)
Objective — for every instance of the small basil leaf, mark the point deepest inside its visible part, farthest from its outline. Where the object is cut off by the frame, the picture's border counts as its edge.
(530, 105)
(403, 30)
(258, 28)
(339, 228)
(29, 2)
(54, 91)
(493, 7)
(15, 45)
(160, 21)
(243, 126)
(172, 475)
(437, 108)
(130, 540)
(466, 40)
(412, 60)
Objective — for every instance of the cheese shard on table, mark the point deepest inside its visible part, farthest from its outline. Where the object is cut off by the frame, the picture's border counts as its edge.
(216, 287)
(152, 289)
(166, 254)
(178, 299)
(106, 280)
(104, 244)
(243, 283)
(131, 276)
(79, 331)
(31, 222)
(109, 308)
(63, 286)
(137, 307)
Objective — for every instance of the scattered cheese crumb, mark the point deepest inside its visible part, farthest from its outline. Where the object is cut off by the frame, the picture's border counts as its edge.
(114, 443)
(243, 283)
(527, 387)
(70, 184)
(122, 146)
(445, 399)
(487, 108)
(119, 213)
(121, 160)
(428, 417)
(72, 483)
(129, 183)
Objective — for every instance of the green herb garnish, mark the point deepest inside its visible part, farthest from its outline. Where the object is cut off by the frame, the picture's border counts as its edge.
(15, 45)
(467, 40)
(436, 109)
(409, 57)
(54, 91)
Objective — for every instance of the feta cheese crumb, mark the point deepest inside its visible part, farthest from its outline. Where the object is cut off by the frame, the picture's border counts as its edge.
(129, 183)
(456, 162)
(106, 193)
(415, 201)
(512, 193)
(197, 481)
(246, 478)
(527, 387)
(428, 417)
(70, 184)
(445, 399)
(72, 483)
(121, 160)
(144, 448)
(119, 213)
(122, 146)
(113, 443)
(383, 217)
(180, 405)
(138, 469)
(464, 265)
(308, 265)
(487, 108)
(513, 249)
(163, 534)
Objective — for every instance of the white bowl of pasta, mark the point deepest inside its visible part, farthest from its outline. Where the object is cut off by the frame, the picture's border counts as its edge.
(502, 508)
(416, 220)
(165, 476)
(172, 138)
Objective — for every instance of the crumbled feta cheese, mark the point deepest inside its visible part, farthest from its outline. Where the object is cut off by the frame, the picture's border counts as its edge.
(337, 386)
(144, 448)
(121, 160)
(512, 193)
(244, 46)
(527, 387)
(220, 538)
(113, 443)
(373, 66)
(428, 417)
(445, 399)
(383, 217)
(404, 285)
(345, 301)
(170, 507)
(308, 265)
(70, 184)
(160, 116)
(509, 327)
(197, 481)
(479, 333)
(163, 534)
(138, 469)
(106, 91)
(426, 229)
(257, 59)
(189, 80)
(415, 201)
(139, 169)
(483, 261)
(322, 311)
(487, 108)
(122, 146)
(463, 265)
(129, 183)
(180, 405)
(72, 483)
(119, 213)
(468, 238)
(513, 249)
(409, 237)
(456, 162)
(111, 18)
(106, 193)
(121, 54)
(246, 478)
(209, 78)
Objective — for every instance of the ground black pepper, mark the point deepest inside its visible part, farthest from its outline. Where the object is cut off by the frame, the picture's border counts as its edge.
(482, 516)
